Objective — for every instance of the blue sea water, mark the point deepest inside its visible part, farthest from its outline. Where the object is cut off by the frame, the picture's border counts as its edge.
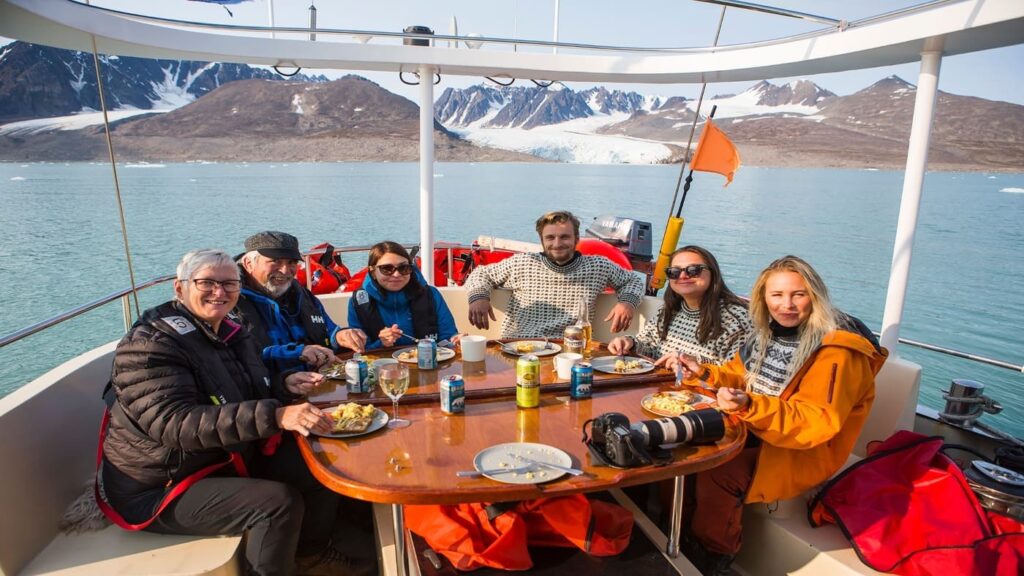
(61, 245)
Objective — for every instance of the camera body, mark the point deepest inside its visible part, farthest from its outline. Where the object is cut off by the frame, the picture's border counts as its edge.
(618, 443)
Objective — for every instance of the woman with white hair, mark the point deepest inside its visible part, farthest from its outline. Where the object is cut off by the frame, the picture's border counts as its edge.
(192, 396)
(802, 385)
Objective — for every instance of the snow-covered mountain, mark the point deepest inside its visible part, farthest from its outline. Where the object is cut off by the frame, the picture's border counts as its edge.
(39, 81)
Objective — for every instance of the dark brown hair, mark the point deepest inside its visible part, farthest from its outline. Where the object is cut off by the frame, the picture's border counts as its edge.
(388, 247)
(717, 297)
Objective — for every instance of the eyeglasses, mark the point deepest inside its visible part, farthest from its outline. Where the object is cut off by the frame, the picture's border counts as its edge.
(390, 269)
(691, 271)
(207, 285)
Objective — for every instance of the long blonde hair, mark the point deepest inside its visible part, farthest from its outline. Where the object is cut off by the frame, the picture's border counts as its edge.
(822, 319)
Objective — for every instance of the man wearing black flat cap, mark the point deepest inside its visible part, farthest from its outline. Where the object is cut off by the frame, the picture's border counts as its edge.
(286, 318)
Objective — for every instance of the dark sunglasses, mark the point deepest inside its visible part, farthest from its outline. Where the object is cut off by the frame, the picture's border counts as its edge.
(390, 269)
(691, 271)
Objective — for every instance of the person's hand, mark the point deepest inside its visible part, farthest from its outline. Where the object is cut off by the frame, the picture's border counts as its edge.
(303, 383)
(621, 316)
(303, 418)
(669, 361)
(687, 364)
(353, 338)
(389, 335)
(479, 312)
(620, 345)
(733, 399)
(317, 356)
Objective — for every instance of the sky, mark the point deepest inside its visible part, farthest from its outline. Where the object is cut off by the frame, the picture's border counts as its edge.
(994, 74)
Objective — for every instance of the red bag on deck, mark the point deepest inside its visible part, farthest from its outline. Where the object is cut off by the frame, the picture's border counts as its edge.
(472, 536)
(907, 509)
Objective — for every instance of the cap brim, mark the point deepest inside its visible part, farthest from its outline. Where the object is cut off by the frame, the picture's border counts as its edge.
(280, 253)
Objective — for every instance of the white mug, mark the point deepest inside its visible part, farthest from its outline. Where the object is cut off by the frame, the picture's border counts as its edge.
(564, 362)
(473, 347)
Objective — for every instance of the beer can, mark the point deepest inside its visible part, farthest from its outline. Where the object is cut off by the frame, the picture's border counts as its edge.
(581, 381)
(528, 381)
(426, 354)
(453, 394)
(573, 339)
(356, 376)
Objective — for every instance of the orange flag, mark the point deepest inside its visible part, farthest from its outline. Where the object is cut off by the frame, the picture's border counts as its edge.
(715, 153)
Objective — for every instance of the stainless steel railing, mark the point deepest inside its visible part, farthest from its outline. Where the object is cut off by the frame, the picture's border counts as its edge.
(74, 312)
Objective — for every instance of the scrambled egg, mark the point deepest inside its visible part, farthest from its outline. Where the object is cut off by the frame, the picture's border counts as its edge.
(352, 417)
(626, 365)
(524, 347)
(409, 354)
(675, 403)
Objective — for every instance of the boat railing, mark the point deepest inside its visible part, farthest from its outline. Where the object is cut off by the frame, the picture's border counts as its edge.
(124, 295)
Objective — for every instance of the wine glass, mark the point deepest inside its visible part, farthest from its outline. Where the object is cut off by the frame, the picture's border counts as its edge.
(394, 381)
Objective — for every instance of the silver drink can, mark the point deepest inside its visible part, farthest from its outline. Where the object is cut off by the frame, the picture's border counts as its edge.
(426, 354)
(356, 376)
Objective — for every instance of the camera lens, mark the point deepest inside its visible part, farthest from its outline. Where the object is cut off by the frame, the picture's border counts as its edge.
(695, 427)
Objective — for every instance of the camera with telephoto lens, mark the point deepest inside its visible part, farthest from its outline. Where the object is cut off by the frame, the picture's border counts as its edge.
(621, 444)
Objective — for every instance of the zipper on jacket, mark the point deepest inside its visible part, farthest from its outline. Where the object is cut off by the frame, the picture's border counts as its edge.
(832, 382)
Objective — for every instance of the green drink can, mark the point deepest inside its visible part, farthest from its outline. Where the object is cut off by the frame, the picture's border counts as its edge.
(528, 381)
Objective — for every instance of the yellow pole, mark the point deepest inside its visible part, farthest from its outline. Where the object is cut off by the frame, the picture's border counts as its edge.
(668, 245)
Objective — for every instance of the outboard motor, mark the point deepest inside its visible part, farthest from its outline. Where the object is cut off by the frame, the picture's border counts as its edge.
(631, 237)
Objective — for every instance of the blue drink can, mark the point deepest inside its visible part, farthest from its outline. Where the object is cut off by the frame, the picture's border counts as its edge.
(453, 394)
(356, 376)
(426, 354)
(581, 380)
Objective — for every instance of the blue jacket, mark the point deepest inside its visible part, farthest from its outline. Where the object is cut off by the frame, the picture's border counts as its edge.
(284, 336)
(394, 309)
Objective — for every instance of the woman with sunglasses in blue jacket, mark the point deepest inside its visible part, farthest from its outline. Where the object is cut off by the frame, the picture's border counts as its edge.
(395, 305)
(701, 317)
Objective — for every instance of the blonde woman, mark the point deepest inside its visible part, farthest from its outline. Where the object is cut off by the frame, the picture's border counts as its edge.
(803, 386)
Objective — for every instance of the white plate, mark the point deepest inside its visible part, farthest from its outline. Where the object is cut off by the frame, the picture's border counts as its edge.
(606, 364)
(380, 419)
(498, 457)
(443, 354)
(538, 348)
(693, 399)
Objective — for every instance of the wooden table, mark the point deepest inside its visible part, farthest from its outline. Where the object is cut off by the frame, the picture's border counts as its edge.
(417, 464)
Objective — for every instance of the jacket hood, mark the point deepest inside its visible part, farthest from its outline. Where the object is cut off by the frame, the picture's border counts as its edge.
(858, 343)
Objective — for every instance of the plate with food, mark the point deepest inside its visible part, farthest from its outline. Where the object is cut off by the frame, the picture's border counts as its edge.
(675, 402)
(354, 420)
(521, 462)
(535, 347)
(408, 355)
(622, 365)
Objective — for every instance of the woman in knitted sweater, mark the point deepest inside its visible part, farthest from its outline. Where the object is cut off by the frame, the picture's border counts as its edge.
(701, 316)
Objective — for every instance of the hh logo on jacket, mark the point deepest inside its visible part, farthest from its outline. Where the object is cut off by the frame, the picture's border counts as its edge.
(317, 319)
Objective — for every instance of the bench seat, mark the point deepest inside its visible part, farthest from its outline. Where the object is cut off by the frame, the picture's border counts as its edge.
(47, 467)
(115, 552)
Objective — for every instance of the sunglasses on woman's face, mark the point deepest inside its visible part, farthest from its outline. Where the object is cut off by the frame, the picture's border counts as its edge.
(691, 271)
(390, 269)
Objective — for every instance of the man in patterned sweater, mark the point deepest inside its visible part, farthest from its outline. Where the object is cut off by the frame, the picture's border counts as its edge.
(547, 287)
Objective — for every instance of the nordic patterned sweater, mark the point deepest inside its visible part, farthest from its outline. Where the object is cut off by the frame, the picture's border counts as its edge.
(545, 295)
(682, 335)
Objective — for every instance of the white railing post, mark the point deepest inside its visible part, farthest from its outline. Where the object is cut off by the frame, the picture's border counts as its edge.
(910, 202)
(427, 172)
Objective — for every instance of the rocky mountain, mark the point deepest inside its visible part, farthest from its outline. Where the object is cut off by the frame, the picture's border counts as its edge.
(38, 81)
(348, 119)
(529, 107)
(799, 92)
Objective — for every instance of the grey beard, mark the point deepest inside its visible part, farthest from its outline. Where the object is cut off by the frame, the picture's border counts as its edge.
(274, 290)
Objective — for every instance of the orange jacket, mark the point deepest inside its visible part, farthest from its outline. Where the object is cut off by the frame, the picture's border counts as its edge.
(809, 430)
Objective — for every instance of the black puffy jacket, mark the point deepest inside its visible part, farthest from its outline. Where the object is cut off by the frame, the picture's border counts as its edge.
(185, 397)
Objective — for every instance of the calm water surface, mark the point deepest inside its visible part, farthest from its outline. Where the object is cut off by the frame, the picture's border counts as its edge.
(61, 245)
